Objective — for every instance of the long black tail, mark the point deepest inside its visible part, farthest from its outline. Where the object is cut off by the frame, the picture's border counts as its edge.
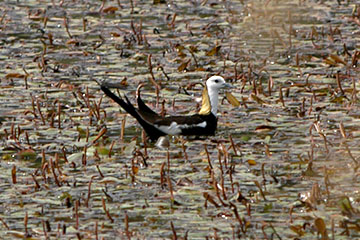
(128, 107)
(150, 130)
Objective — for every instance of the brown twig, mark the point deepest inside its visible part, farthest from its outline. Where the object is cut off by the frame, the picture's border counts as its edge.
(4, 223)
(26, 218)
(238, 216)
(132, 6)
(150, 67)
(126, 223)
(173, 231)
(96, 231)
(13, 174)
(37, 185)
(53, 171)
(290, 29)
(232, 144)
(98, 168)
(89, 192)
(111, 147)
(260, 189)
(39, 110)
(106, 211)
(208, 156)
(162, 174)
(84, 157)
(77, 203)
(66, 24)
(122, 132)
(339, 83)
(59, 114)
(100, 134)
(281, 98)
(209, 198)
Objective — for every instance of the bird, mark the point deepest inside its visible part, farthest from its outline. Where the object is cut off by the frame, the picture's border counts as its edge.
(204, 123)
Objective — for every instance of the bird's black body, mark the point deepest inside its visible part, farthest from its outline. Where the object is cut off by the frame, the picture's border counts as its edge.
(202, 124)
(154, 124)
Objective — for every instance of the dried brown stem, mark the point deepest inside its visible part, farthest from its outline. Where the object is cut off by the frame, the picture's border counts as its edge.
(172, 23)
(39, 110)
(111, 147)
(132, 6)
(281, 98)
(26, 218)
(53, 171)
(161, 68)
(238, 216)
(232, 144)
(89, 192)
(152, 79)
(37, 185)
(100, 134)
(162, 174)
(339, 83)
(290, 29)
(84, 22)
(209, 198)
(106, 211)
(350, 154)
(193, 56)
(260, 189)
(122, 132)
(33, 106)
(208, 156)
(98, 168)
(170, 188)
(66, 24)
(64, 154)
(96, 231)
(87, 134)
(126, 223)
(342, 130)
(59, 114)
(215, 184)
(354, 91)
(84, 158)
(174, 237)
(13, 174)
(4, 223)
(223, 187)
(77, 203)
(220, 163)
(184, 150)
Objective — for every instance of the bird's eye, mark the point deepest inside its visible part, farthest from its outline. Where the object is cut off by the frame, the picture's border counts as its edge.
(216, 81)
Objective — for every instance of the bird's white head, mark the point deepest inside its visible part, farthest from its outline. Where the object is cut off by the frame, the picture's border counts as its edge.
(211, 99)
(216, 83)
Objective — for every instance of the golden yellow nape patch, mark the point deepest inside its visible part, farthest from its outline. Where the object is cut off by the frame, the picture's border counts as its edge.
(205, 105)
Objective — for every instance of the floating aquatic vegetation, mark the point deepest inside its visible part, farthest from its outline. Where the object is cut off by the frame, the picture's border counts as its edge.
(284, 162)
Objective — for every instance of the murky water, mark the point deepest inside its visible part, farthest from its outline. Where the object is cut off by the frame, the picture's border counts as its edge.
(291, 171)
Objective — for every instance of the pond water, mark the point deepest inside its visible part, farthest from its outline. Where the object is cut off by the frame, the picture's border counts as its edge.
(284, 164)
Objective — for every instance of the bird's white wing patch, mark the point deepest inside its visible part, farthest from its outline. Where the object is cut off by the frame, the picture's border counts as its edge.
(202, 124)
(175, 128)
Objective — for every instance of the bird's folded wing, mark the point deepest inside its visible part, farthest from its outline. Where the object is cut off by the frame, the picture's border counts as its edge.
(146, 113)
(181, 120)
(175, 125)
(144, 108)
